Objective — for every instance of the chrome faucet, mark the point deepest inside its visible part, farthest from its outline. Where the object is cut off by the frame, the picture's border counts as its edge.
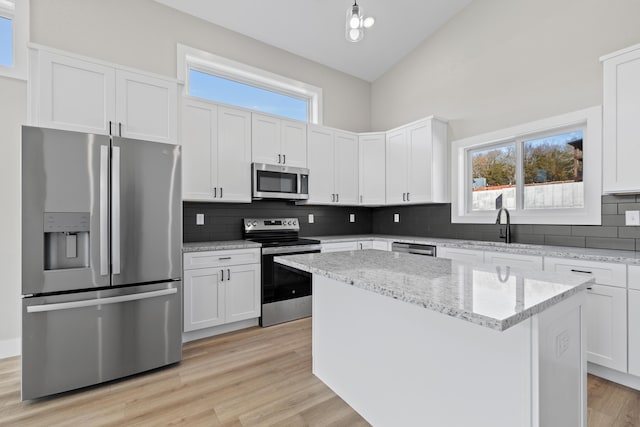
(507, 234)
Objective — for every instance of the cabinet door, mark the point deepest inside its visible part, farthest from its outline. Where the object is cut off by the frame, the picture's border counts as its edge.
(634, 332)
(199, 140)
(381, 245)
(74, 94)
(204, 296)
(606, 318)
(397, 158)
(365, 244)
(346, 172)
(371, 154)
(470, 255)
(294, 143)
(234, 155)
(265, 137)
(320, 158)
(339, 247)
(420, 163)
(146, 107)
(621, 126)
(242, 292)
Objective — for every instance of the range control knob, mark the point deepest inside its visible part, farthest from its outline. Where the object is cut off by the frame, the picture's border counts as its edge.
(248, 224)
(295, 222)
(254, 223)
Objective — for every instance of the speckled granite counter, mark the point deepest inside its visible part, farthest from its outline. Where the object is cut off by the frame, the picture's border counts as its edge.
(481, 294)
(605, 255)
(219, 245)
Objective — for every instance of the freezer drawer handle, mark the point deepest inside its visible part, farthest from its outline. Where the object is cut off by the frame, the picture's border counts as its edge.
(99, 301)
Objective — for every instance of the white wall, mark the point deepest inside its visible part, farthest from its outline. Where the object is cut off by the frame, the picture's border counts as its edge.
(143, 34)
(499, 63)
(13, 112)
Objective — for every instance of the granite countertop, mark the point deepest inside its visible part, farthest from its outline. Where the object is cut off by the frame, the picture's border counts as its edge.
(486, 295)
(587, 254)
(219, 245)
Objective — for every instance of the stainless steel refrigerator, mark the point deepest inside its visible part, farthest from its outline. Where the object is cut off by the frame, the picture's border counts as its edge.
(101, 259)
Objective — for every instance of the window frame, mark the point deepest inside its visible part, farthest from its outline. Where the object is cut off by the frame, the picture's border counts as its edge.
(205, 62)
(588, 120)
(18, 13)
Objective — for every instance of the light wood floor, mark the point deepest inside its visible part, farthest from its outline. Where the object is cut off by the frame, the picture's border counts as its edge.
(252, 377)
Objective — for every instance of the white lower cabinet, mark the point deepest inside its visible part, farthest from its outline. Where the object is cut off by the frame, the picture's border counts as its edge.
(519, 261)
(459, 254)
(220, 291)
(339, 247)
(381, 245)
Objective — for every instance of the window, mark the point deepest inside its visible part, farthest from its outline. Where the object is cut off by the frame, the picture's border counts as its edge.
(218, 89)
(546, 172)
(225, 81)
(14, 30)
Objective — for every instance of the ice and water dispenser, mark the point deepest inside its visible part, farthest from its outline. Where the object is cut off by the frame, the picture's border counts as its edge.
(66, 240)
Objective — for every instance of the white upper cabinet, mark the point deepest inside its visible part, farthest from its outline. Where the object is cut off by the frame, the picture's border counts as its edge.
(80, 95)
(278, 142)
(216, 153)
(371, 167)
(146, 107)
(621, 127)
(333, 166)
(416, 167)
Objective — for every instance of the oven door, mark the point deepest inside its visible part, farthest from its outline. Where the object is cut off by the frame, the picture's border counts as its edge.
(281, 282)
(280, 182)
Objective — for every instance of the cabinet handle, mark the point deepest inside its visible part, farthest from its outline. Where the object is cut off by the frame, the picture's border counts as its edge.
(333, 197)
(215, 192)
(582, 271)
(337, 198)
(361, 198)
(589, 289)
(408, 198)
(279, 158)
(224, 258)
(228, 274)
(222, 274)
(110, 122)
(404, 197)
(284, 159)
(120, 128)
(221, 196)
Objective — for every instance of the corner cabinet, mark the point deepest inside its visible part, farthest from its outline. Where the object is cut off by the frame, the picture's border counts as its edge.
(416, 166)
(371, 166)
(332, 157)
(71, 93)
(216, 153)
(278, 141)
(621, 127)
(221, 287)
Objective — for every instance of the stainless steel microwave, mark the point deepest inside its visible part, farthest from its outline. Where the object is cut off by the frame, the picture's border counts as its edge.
(280, 182)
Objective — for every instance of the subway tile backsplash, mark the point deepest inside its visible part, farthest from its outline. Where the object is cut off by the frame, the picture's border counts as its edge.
(223, 222)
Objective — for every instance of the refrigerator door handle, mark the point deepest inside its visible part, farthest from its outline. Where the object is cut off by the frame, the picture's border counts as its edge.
(104, 210)
(115, 211)
(99, 301)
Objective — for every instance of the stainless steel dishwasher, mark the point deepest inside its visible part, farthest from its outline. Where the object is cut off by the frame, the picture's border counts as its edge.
(414, 248)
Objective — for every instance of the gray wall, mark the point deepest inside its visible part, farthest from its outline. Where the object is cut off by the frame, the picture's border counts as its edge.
(224, 221)
(435, 221)
(500, 63)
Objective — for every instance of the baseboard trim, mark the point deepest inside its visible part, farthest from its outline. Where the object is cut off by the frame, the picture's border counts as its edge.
(625, 379)
(10, 348)
(218, 330)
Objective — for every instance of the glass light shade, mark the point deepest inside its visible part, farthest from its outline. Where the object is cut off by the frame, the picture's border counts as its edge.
(354, 22)
(369, 21)
(355, 35)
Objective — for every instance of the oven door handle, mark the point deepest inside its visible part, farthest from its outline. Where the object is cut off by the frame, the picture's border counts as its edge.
(291, 249)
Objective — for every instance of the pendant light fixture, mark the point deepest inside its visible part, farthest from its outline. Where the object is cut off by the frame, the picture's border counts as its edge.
(356, 23)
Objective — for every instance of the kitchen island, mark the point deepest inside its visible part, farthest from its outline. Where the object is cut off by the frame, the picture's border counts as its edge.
(411, 340)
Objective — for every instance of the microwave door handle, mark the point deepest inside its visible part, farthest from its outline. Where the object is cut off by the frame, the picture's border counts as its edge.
(115, 212)
(104, 210)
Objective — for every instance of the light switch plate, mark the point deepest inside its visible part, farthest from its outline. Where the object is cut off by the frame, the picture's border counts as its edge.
(311, 219)
(352, 217)
(632, 217)
(199, 219)
(396, 217)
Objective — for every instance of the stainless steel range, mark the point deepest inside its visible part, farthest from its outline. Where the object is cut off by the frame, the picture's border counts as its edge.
(286, 291)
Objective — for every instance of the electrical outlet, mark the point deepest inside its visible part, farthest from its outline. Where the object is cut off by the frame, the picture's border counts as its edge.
(396, 217)
(632, 217)
(562, 343)
(311, 219)
(352, 217)
(199, 219)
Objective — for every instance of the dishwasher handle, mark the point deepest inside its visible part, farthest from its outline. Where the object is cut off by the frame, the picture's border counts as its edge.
(414, 248)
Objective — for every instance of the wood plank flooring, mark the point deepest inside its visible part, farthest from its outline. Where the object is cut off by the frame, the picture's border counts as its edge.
(255, 377)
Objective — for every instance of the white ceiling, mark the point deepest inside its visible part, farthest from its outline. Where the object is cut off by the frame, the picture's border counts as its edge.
(315, 29)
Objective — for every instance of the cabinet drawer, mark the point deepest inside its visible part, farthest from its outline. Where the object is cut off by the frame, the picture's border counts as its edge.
(460, 254)
(209, 259)
(605, 273)
(340, 247)
(634, 277)
(513, 260)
